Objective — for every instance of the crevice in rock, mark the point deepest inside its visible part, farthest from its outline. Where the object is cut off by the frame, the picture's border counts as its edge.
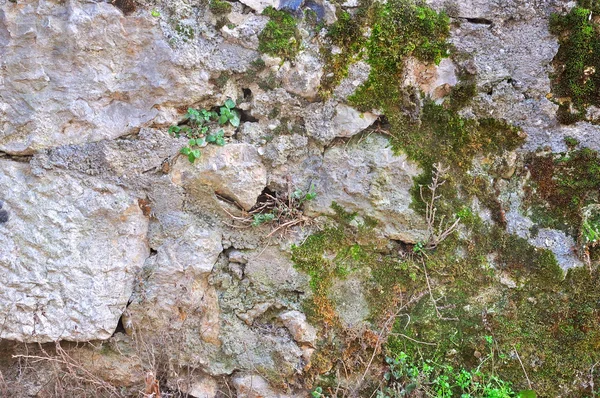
(245, 116)
(16, 158)
(477, 21)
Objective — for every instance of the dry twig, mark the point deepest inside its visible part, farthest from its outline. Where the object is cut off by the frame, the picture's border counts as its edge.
(438, 230)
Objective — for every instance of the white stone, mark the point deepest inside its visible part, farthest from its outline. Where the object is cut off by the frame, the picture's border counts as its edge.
(76, 72)
(260, 5)
(348, 121)
(234, 171)
(69, 254)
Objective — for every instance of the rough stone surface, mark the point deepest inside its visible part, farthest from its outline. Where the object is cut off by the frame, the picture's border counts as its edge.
(304, 76)
(296, 323)
(67, 78)
(260, 5)
(368, 178)
(254, 386)
(234, 171)
(60, 222)
(105, 220)
(327, 121)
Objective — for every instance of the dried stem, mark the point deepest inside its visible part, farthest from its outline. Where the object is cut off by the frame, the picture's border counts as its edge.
(437, 230)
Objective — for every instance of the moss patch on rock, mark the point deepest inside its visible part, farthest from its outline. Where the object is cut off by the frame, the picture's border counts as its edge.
(561, 185)
(280, 37)
(576, 83)
(220, 7)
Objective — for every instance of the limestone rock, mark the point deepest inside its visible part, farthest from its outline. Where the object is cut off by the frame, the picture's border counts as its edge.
(245, 30)
(173, 292)
(300, 329)
(254, 386)
(84, 74)
(348, 121)
(368, 178)
(260, 5)
(70, 250)
(273, 269)
(330, 120)
(304, 76)
(234, 171)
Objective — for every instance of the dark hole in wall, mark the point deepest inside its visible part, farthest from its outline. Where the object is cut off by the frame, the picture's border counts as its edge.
(127, 6)
(120, 327)
(479, 21)
(3, 216)
(247, 93)
(264, 197)
(245, 116)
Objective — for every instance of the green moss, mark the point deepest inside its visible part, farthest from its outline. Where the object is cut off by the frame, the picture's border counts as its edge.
(347, 33)
(550, 320)
(400, 28)
(561, 185)
(280, 37)
(220, 7)
(577, 80)
(462, 94)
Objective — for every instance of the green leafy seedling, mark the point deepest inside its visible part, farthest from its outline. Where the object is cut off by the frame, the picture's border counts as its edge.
(260, 219)
(227, 113)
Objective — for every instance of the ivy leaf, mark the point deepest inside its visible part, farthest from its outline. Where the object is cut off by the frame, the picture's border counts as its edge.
(230, 103)
(211, 138)
(185, 150)
(192, 142)
(174, 129)
(201, 142)
(196, 153)
(191, 158)
(220, 141)
(223, 119)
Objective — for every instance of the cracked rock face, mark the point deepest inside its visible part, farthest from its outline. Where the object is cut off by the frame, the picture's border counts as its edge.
(70, 252)
(80, 72)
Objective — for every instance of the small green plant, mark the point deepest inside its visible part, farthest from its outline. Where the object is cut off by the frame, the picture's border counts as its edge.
(155, 13)
(300, 196)
(259, 219)
(199, 127)
(405, 376)
(418, 247)
(228, 114)
(317, 393)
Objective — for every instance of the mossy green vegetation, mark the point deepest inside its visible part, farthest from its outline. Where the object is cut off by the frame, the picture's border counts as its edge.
(332, 253)
(484, 302)
(280, 37)
(398, 29)
(347, 33)
(576, 84)
(561, 185)
(481, 303)
(220, 7)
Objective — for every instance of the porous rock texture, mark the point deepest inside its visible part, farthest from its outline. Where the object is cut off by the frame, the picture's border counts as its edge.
(109, 235)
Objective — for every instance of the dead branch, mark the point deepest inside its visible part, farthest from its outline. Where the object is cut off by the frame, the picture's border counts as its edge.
(437, 230)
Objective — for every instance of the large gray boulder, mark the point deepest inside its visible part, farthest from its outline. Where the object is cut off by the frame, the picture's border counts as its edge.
(368, 178)
(69, 252)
